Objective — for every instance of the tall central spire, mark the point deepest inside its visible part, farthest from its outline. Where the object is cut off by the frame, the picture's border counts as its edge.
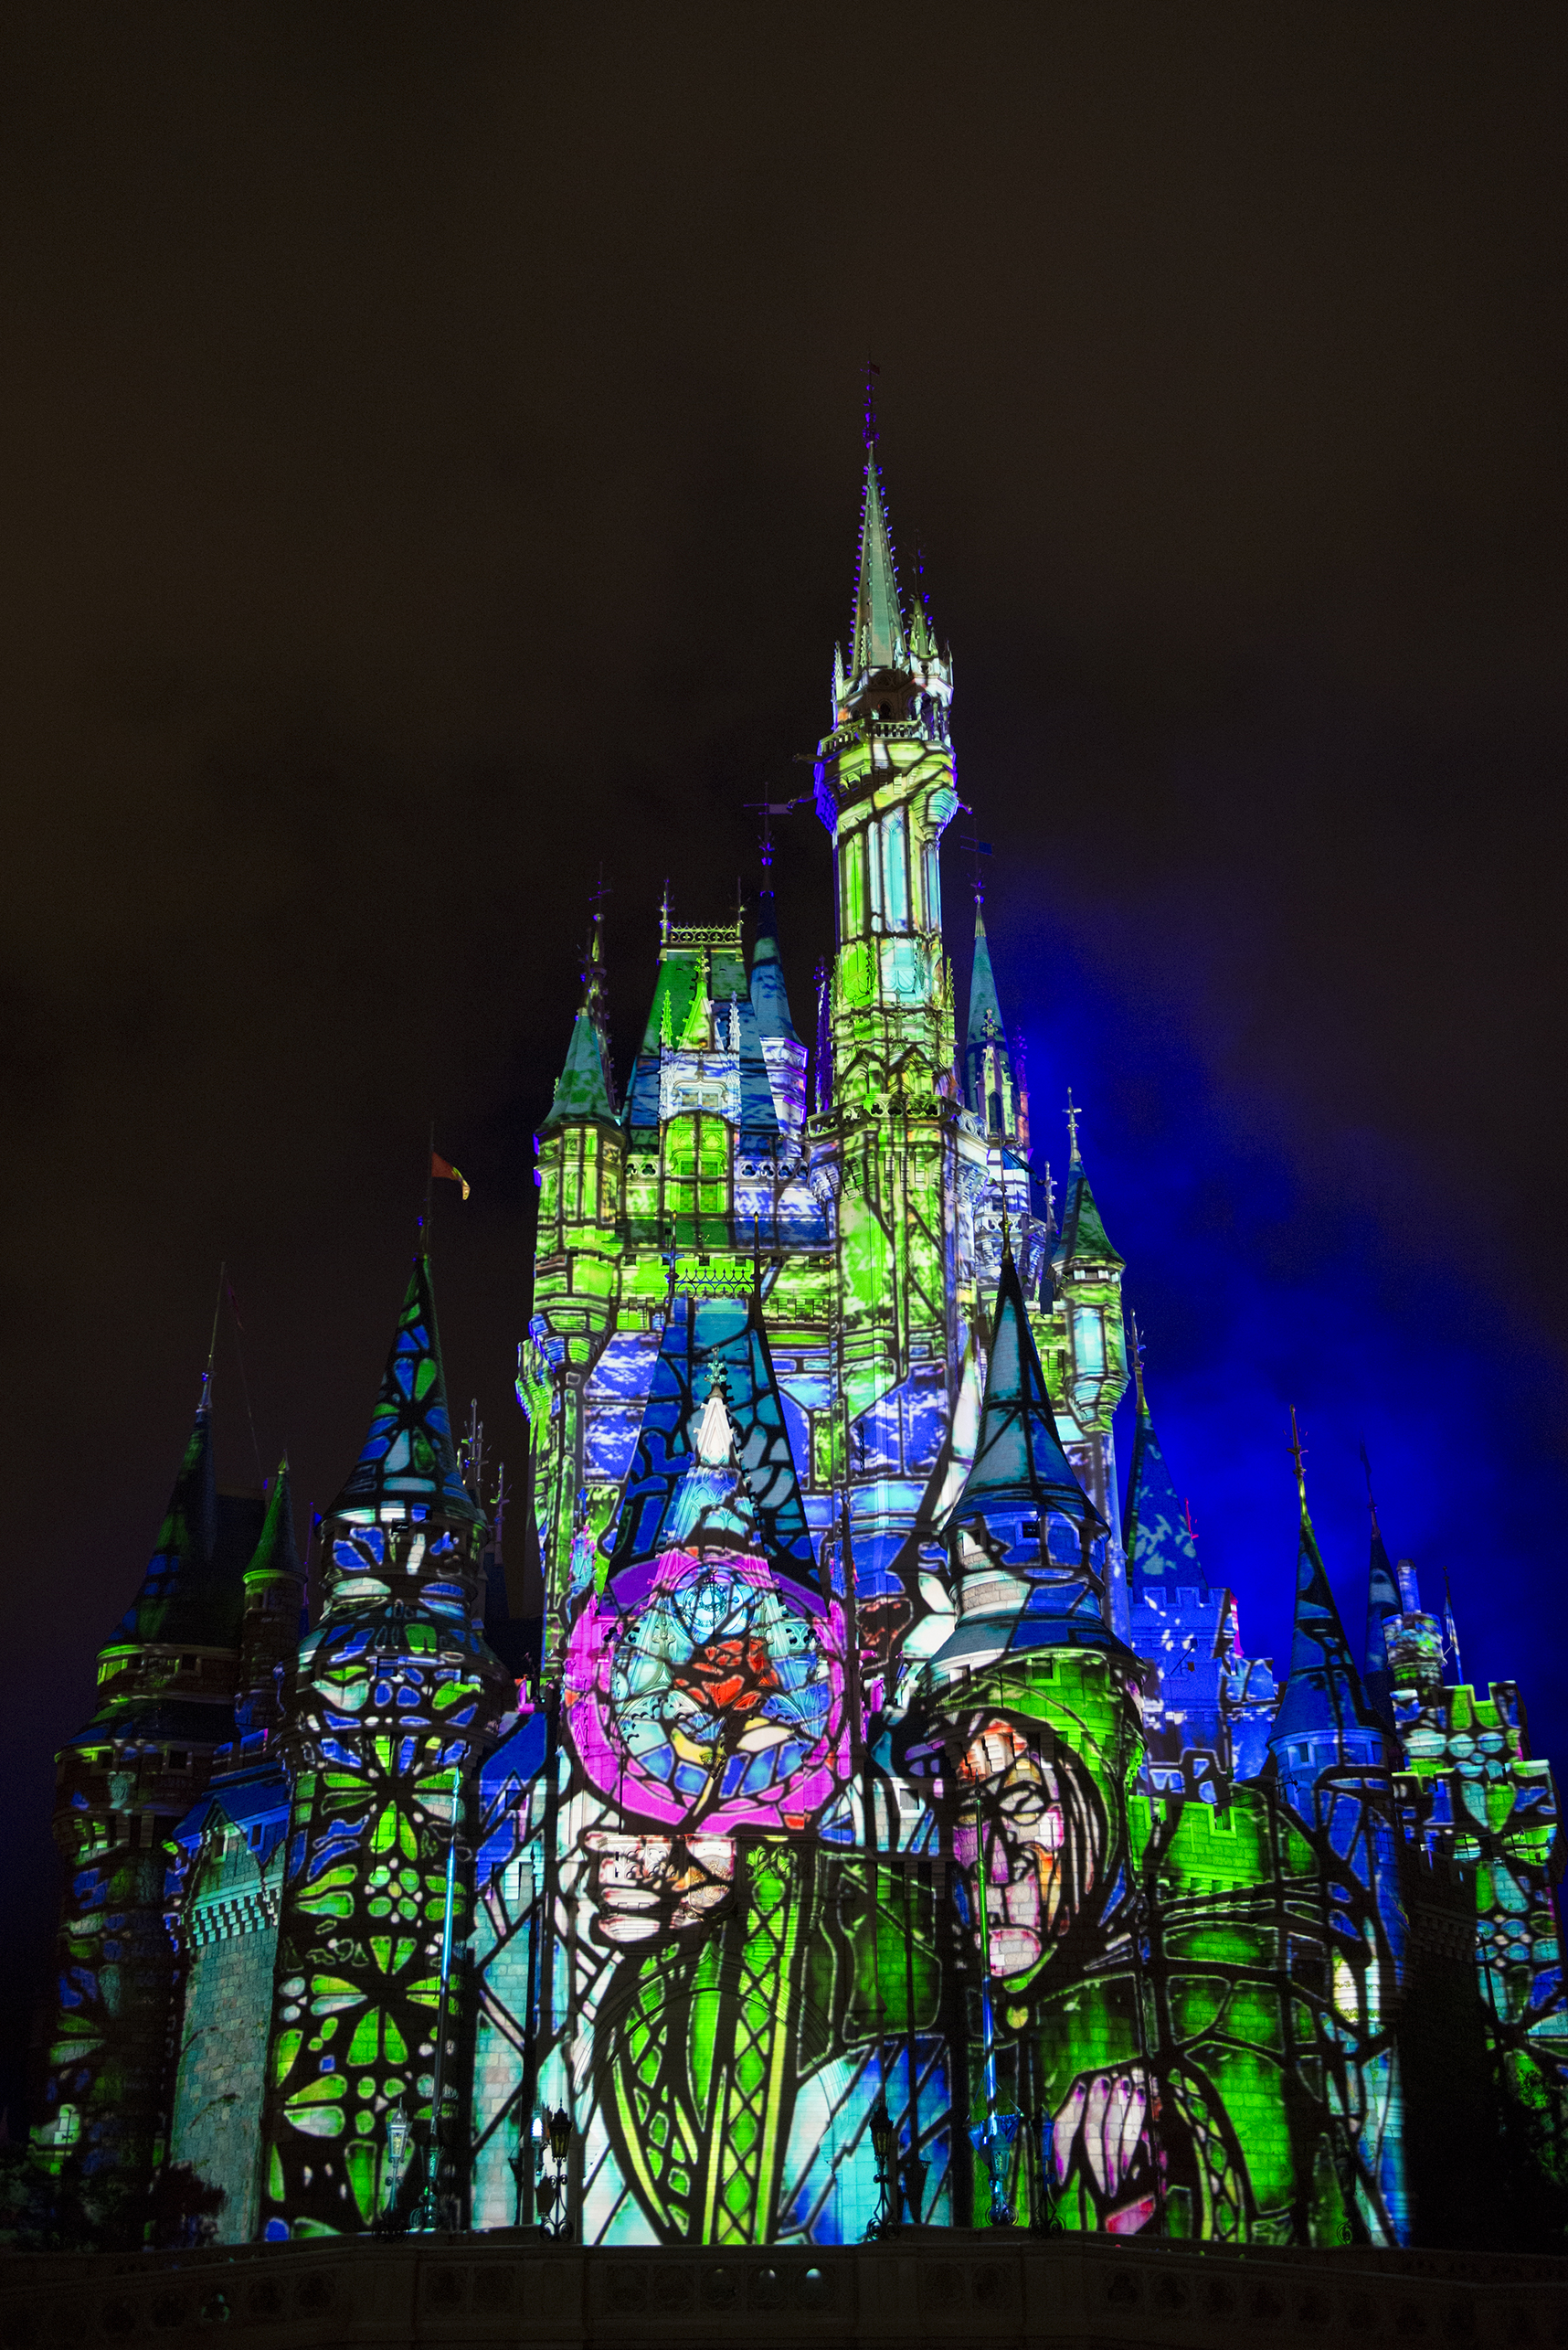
(880, 640)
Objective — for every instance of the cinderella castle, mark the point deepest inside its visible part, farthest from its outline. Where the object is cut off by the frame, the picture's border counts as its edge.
(885, 1825)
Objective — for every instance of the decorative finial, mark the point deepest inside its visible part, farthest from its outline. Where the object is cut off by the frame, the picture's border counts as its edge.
(1451, 1629)
(205, 1402)
(1138, 1366)
(664, 915)
(1074, 1114)
(1297, 1451)
(870, 429)
(1371, 1498)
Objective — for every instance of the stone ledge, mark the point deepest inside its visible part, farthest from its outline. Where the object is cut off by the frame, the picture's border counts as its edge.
(939, 2285)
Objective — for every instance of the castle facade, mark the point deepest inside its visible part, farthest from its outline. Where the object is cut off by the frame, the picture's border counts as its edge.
(885, 1824)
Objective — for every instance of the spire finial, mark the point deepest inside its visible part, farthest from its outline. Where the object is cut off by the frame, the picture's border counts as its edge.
(1451, 1629)
(1371, 1497)
(869, 432)
(206, 1403)
(1138, 1366)
(1297, 1451)
(1074, 1114)
(664, 915)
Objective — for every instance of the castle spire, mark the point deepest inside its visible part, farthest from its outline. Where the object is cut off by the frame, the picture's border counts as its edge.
(173, 1598)
(409, 1460)
(1162, 1557)
(585, 1088)
(1383, 1602)
(1324, 1698)
(1085, 1240)
(879, 641)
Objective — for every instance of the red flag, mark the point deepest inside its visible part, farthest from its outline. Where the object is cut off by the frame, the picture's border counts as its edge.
(448, 1173)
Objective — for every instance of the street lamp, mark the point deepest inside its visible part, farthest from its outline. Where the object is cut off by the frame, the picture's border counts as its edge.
(885, 2147)
(554, 2220)
(390, 2221)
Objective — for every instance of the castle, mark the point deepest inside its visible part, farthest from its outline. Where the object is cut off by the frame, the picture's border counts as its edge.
(887, 1826)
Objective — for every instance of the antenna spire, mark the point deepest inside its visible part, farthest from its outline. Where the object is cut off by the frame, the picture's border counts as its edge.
(206, 1403)
(869, 430)
(1074, 1114)
(1371, 1498)
(1138, 1366)
(1297, 1451)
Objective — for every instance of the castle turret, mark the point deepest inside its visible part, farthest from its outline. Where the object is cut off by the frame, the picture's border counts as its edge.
(782, 1051)
(1326, 1722)
(394, 1699)
(274, 1598)
(1028, 1543)
(166, 1690)
(993, 1076)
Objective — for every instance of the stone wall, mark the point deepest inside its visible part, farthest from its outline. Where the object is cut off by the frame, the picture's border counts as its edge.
(939, 2285)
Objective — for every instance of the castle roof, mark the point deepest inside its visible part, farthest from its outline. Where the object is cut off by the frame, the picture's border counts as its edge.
(180, 1598)
(1161, 1554)
(701, 1335)
(585, 1088)
(879, 642)
(409, 1460)
(769, 1001)
(1323, 1692)
(1085, 1240)
(1019, 1462)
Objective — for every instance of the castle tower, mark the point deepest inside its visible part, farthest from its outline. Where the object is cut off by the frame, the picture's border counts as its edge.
(1334, 1764)
(167, 1689)
(580, 1173)
(394, 1699)
(885, 790)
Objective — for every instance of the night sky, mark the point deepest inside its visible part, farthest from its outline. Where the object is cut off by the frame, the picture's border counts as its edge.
(429, 458)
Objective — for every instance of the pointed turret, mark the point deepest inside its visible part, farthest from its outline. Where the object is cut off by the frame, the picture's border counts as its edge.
(783, 1054)
(274, 1595)
(409, 1461)
(880, 640)
(176, 1601)
(1023, 1529)
(1085, 1241)
(1383, 1602)
(1088, 1286)
(1162, 1557)
(769, 999)
(1326, 1720)
(993, 1077)
(585, 1088)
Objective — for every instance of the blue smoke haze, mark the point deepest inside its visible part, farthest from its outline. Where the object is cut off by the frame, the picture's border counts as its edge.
(1274, 1258)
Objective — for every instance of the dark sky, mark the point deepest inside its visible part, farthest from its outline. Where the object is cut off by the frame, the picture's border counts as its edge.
(429, 455)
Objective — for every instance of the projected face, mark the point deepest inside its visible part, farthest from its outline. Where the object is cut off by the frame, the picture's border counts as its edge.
(1029, 1831)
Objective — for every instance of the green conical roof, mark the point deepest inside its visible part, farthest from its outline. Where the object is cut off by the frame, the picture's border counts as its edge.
(1085, 1240)
(409, 1460)
(879, 639)
(585, 1088)
(275, 1553)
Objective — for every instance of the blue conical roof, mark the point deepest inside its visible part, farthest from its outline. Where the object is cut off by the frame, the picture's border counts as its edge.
(1161, 1554)
(702, 1335)
(1019, 1462)
(769, 1001)
(1323, 1692)
(409, 1460)
(1085, 1240)
(985, 1010)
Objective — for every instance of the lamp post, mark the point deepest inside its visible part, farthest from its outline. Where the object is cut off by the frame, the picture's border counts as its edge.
(389, 2220)
(885, 2146)
(555, 2221)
